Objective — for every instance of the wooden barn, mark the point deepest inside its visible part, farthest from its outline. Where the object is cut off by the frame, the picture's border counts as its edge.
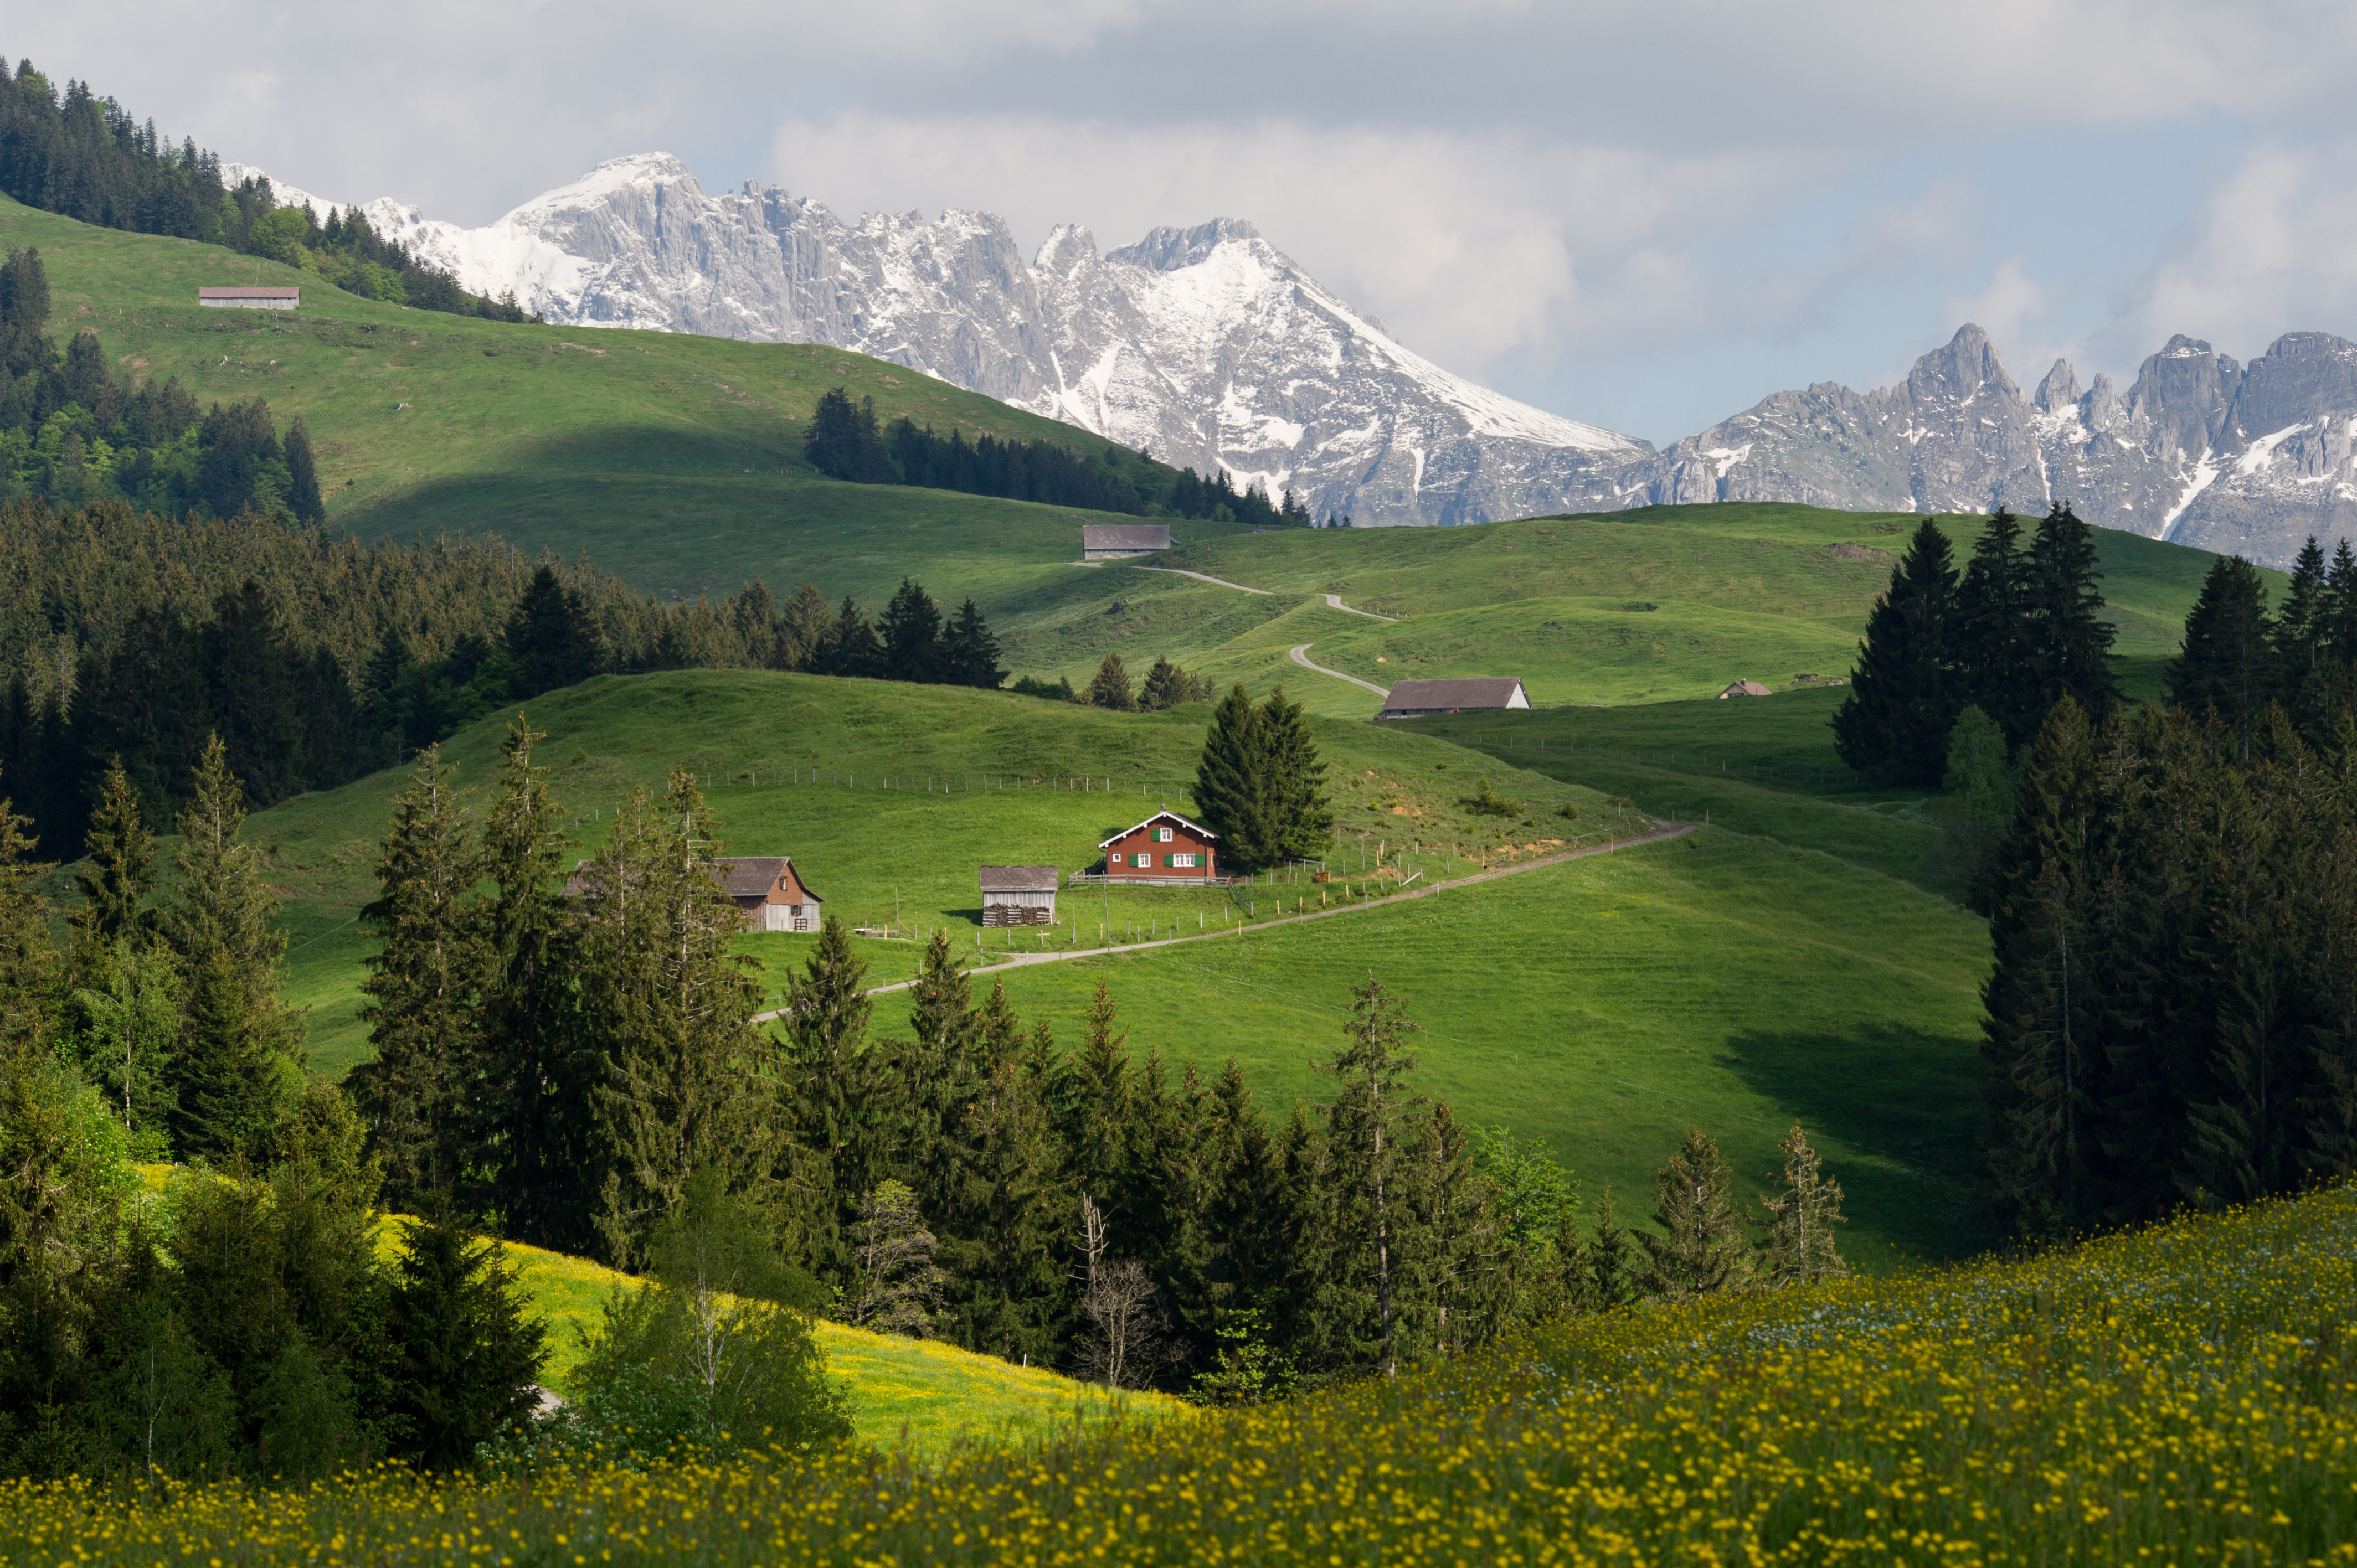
(1744, 689)
(250, 298)
(1118, 541)
(1018, 894)
(770, 894)
(1165, 847)
(1421, 699)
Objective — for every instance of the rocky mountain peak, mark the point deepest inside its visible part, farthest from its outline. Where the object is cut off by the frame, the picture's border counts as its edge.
(2060, 390)
(1169, 250)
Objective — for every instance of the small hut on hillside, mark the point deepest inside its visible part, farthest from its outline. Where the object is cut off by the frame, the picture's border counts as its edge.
(250, 298)
(1746, 689)
(1421, 699)
(1018, 894)
(1118, 541)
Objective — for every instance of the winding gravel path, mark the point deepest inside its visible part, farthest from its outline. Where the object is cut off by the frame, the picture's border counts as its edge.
(1301, 656)
(1334, 601)
(1218, 582)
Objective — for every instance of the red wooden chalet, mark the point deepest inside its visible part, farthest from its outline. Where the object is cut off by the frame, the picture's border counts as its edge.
(1165, 847)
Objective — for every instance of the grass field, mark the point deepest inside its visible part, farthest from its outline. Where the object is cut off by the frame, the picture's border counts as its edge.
(2181, 1394)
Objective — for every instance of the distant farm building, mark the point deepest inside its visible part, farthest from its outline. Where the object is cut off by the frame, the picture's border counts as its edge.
(770, 894)
(1746, 689)
(1421, 699)
(250, 298)
(1112, 541)
(1018, 894)
(1165, 847)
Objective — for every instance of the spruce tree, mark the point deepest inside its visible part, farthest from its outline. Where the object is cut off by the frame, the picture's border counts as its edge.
(1092, 1097)
(936, 1072)
(686, 1079)
(970, 652)
(1294, 782)
(128, 1023)
(1005, 1285)
(117, 872)
(2041, 1074)
(1370, 1129)
(1166, 686)
(2302, 626)
(1463, 1279)
(2070, 643)
(850, 647)
(1993, 633)
(843, 1098)
(2340, 609)
(465, 1360)
(422, 1092)
(912, 636)
(803, 628)
(1229, 797)
(2226, 662)
(303, 477)
(552, 635)
(536, 1065)
(28, 957)
(1701, 1249)
(243, 1044)
(1802, 1215)
(1109, 687)
(1903, 697)
(1608, 1264)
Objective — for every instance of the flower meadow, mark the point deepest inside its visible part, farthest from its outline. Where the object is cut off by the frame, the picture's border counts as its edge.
(2182, 1394)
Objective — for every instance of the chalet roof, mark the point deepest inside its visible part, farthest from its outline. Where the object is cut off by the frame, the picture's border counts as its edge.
(1125, 536)
(1488, 692)
(249, 294)
(740, 876)
(1747, 689)
(1019, 878)
(1198, 829)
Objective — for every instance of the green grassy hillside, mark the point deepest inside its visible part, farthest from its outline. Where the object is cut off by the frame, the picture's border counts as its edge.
(1603, 1006)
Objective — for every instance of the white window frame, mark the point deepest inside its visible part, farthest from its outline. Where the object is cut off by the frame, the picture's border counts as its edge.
(1141, 862)
(1182, 861)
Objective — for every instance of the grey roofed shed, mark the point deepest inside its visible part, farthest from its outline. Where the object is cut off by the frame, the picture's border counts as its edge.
(1018, 894)
(1112, 541)
(1413, 699)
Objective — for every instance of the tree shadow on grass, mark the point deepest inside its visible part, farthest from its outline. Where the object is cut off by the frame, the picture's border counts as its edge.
(1897, 1111)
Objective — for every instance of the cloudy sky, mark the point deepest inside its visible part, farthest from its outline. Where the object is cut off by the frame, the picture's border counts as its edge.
(1645, 215)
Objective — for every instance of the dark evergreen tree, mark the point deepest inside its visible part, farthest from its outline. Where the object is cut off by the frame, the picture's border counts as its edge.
(851, 648)
(2070, 643)
(1701, 1249)
(1904, 695)
(303, 477)
(842, 442)
(2340, 612)
(466, 1358)
(537, 1064)
(422, 1092)
(1994, 630)
(936, 1074)
(28, 957)
(1370, 1129)
(1109, 687)
(969, 651)
(843, 1109)
(2226, 662)
(2302, 627)
(912, 636)
(1229, 793)
(1003, 1243)
(117, 870)
(1293, 783)
(552, 636)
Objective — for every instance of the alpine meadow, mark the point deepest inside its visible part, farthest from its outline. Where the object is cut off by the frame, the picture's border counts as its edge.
(623, 946)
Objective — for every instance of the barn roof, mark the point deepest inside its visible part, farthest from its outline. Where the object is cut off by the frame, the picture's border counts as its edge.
(740, 876)
(1125, 536)
(1747, 689)
(1018, 878)
(1198, 829)
(1483, 692)
(249, 294)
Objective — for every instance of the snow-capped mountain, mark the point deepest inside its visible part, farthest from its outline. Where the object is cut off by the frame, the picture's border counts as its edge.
(2201, 451)
(1206, 345)
(1212, 348)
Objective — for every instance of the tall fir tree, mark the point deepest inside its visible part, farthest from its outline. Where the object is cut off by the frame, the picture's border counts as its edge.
(1903, 695)
(466, 1358)
(936, 1073)
(1371, 1128)
(423, 1093)
(117, 870)
(552, 636)
(2302, 627)
(303, 477)
(2339, 614)
(1700, 1249)
(843, 1101)
(685, 1081)
(1109, 688)
(28, 957)
(969, 652)
(850, 647)
(911, 629)
(1993, 632)
(2070, 643)
(1229, 793)
(2227, 661)
(1002, 1225)
(536, 1063)
(1800, 1245)
(1302, 816)
(243, 1052)
(2041, 1073)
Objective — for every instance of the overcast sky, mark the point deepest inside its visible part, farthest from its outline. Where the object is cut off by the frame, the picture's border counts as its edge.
(1645, 215)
